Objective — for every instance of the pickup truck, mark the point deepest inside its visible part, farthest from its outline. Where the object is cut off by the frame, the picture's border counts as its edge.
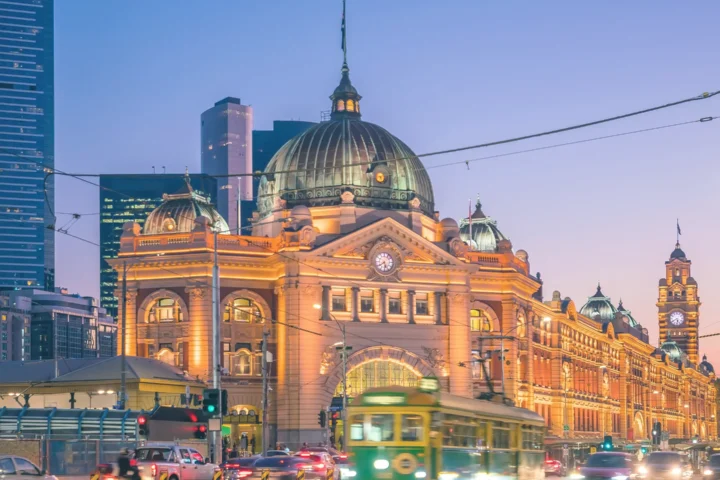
(165, 462)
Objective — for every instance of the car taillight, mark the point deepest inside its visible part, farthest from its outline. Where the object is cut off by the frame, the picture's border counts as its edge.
(343, 456)
(244, 472)
(153, 470)
(105, 468)
(305, 455)
(133, 463)
(318, 467)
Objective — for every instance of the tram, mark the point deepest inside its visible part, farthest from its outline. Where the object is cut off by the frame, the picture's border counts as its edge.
(401, 433)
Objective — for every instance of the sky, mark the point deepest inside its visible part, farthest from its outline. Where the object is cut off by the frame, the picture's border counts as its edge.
(133, 77)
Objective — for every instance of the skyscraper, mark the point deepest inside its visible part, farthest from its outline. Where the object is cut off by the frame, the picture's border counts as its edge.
(27, 244)
(226, 149)
(131, 198)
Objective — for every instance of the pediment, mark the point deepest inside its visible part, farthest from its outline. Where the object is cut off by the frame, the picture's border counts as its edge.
(388, 233)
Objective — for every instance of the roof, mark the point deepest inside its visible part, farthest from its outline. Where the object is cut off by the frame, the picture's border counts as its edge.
(485, 234)
(599, 307)
(89, 370)
(678, 253)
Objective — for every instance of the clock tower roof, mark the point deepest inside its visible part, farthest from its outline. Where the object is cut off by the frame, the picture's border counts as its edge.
(678, 253)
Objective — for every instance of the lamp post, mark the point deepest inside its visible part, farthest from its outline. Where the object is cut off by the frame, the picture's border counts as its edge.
(344, 347)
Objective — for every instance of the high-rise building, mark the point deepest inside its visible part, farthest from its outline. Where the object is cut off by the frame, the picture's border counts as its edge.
(66, 326)
(679, 307)
(15, 328)
(131, 198)
(226, 150)
(27, 137)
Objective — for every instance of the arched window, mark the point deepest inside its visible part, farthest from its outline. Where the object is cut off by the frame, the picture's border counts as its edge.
(165, 310)
(479, 321)
(350, 105)
(242, 363)
(242, 310)
(378, 373)
(166, 355)
(341, 105)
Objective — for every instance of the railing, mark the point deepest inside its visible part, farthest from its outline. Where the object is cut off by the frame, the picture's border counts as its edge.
(200, 241)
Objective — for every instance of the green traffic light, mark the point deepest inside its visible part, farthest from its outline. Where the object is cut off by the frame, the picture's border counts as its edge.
(211, 408)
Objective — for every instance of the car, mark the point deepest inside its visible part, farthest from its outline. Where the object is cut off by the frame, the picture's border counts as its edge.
(286, 468)
(13, 467)
(238, 468)
(608, 465)
(322, 462)
(711, 470)
(277, 453)
(555, 467)
(665, 465)
(177, 461)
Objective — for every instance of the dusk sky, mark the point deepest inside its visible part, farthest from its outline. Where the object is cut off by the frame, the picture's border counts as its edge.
(133, 77)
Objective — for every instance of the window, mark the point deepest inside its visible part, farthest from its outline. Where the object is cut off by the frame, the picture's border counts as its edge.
(367, 305)
(341, 105)
(181, 354)
(479, 322)
(151, 350)
(165, 310)
(24, 467)
(185, 455)
(395, 303)
(501, 435)
(7, 467)
(412, 428)
(242, 310)
(242, 363)
(421, 304)
(338, 301)
(381, 428)
(357, 427)
(350, 105)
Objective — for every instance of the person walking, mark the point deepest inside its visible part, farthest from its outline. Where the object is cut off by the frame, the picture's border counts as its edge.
(244, 444)
(252, 444)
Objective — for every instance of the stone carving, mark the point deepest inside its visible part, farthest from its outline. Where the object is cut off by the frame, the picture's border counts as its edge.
(279, 203)
(196, 293)
(458, 247)
(347, 198)
(414, 203)
(606, 385)
(434, 357)
(307, 236)
(131, 295)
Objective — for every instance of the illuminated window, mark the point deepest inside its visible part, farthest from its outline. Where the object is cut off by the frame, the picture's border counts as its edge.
(242, 310)
(378, 373)
(338, 301)
(394, 303)
(242, 363)
(341, 106)
(421, 304)
(166, 355)
(367, 303)
(479, 322)
(165, 310)
(351, 105)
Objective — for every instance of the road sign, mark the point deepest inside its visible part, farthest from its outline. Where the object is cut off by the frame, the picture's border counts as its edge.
(566, 428)
(214, 424)
(593, 449)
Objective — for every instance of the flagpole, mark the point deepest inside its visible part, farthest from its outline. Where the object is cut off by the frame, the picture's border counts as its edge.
(344, 36)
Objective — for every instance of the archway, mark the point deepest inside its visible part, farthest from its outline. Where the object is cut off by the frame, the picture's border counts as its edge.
(639, 426)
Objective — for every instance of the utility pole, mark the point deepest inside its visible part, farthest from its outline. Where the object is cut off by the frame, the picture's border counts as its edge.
(123, 348)
(265, 439)
(344, 380)
(215, 364)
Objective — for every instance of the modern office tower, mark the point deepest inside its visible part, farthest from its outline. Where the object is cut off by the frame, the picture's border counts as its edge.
(66, 326)
(226, 150)
(131, 198)
(27, 241)
(14, 328)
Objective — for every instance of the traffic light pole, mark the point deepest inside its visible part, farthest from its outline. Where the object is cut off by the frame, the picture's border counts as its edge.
(213, 437)
(265, 438)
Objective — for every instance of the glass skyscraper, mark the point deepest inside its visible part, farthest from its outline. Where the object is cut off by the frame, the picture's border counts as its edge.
(131, 198)
(27, 241)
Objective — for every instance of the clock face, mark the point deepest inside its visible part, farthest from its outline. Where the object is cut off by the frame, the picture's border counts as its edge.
(677, 318)
(384, 262)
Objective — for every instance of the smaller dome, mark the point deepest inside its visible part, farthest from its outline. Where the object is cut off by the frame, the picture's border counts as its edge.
(486, 237)
(678, 253)
(522, 255)
(673, 350)
(599, 307)
(626, 313)
(706, 367)
(178, 213)
(449, 228)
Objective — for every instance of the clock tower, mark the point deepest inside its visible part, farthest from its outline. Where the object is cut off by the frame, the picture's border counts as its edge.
(679, 305)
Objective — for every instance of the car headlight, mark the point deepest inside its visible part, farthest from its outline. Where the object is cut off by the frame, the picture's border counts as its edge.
(642, 470)
(707, 471)
(420, 474)
(381, 464)
(576, 476)
(676, 471)
(348, 473)
(447, 476)
(620, 477)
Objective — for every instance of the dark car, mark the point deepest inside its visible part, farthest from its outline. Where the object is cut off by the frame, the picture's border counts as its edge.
(286, 468)
(665, 465)
(238, 468)
(712, 468)
(607, 465)
(555, 467)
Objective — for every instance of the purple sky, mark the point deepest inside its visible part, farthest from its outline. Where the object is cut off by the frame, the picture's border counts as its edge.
(132, 78)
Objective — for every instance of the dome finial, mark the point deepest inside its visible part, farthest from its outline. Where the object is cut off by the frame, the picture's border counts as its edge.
(345, 98)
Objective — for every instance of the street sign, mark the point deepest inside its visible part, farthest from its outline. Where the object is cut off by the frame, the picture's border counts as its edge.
(593, 449)
(214, 424)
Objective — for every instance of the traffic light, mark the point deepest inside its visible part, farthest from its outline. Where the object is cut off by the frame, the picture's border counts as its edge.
(656, 433)
(201, 432)
(644, 450)
(224, 402)
(211, 401)
(322, 418)
(607, 443)
(143, 429)
(695, 439)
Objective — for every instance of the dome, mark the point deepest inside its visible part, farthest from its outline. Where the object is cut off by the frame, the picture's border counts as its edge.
(673, 350)
(485, 233)
(626, 313)
(599, 306)
(346, 154)
(678, 253)
(706, 367)
(449, 228)
(178, 213)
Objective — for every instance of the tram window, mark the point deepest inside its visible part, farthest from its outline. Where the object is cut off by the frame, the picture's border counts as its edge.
(412, 428)
(501, 437)
(357, 428)
(381, 428)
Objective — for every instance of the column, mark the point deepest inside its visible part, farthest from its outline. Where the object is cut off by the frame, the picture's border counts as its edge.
(201, 344)
(459, 341)
(325, 303)
(131, 323)
(355, 304)
(383, 305)
(411, 306)
(438, 308)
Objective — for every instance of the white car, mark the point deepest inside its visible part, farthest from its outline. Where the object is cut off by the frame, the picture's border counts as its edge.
(19, 468)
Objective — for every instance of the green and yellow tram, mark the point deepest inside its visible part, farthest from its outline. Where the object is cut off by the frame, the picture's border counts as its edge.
(401, 433)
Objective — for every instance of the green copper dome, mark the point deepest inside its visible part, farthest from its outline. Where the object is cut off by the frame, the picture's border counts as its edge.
(485, 234)
(599, 307)
(342, 155)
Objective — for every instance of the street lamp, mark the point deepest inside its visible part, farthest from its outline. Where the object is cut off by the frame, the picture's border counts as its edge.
(344, 370)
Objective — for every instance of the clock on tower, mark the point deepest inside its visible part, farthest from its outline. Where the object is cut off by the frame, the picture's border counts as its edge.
(679, 305)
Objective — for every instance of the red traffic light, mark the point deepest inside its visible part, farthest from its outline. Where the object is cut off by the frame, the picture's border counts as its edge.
(202, 429)
(142, 420)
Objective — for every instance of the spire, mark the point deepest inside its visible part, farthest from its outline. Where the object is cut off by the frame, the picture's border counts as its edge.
(478, 210)
(345, 98)
(598, 293)
(620, 306)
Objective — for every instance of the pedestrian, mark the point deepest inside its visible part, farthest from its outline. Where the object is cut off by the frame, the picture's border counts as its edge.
(341, 441)
(305, 446)
(244, 443)
(252, 444)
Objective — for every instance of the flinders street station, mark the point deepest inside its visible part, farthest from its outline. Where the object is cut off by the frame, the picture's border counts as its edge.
(346, 238)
